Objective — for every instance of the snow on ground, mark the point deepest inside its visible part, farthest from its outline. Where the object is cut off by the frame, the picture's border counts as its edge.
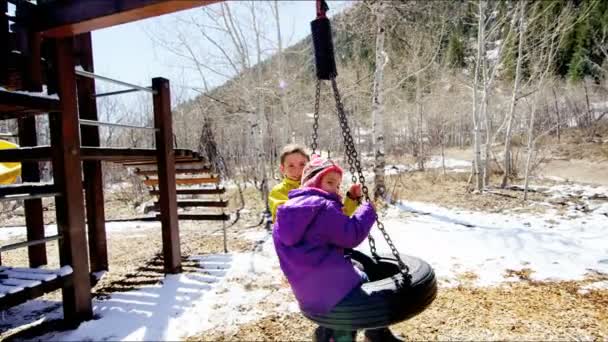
(237, 288)
(434, 162)
(111, 227)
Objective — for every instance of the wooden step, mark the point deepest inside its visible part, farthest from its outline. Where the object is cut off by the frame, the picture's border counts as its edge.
(15, 105)
(19, 285)
(187, 191)
(183, 217)
(177, 171)
(184, 160)
(201, 217)
(196, 203)
(186, 181)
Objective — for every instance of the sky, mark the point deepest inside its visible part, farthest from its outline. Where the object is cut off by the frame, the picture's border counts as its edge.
(128, 52)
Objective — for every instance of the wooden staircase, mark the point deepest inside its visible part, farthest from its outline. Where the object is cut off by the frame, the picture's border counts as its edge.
(197, 188)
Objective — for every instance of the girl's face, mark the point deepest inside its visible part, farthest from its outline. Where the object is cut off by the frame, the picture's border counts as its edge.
(331, 182)
(293, 165)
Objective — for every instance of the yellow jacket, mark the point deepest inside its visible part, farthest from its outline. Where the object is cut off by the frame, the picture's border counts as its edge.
(278, 196)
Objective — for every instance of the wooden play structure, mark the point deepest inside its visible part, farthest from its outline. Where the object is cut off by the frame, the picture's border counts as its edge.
(46, 68)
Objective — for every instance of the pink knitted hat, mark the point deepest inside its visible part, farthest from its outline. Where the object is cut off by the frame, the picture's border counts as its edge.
(316, 168)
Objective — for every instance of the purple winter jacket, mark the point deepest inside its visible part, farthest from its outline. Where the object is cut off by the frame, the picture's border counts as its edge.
(310, 234)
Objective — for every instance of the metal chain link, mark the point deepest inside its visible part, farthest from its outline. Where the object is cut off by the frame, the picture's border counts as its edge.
(355, 165)
(315, 125)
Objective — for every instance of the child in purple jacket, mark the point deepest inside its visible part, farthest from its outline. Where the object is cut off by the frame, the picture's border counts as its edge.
(310, 235)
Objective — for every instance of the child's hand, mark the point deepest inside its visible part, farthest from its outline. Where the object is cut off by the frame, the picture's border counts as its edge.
(355, 191)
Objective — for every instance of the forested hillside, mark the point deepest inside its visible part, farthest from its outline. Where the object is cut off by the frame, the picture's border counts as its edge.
(455, 72)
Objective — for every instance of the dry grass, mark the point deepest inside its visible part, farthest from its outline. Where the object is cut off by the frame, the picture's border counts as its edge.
(452, 190)
(526, 310)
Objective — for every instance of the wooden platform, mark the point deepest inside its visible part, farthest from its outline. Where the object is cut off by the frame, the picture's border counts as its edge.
(14, 105)
(18, 285)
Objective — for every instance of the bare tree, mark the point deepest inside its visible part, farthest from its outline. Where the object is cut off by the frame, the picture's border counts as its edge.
(378, 103)
(516, 85)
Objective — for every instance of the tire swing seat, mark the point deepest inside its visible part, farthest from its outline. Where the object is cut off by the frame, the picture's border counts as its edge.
(400, 286)
(394, 296)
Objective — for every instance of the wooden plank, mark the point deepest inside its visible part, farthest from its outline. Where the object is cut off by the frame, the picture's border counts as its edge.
(14, 105)
(67, 18)
(186, 181)
(27, 243)
(177, 171)
(24, 154)
(77, 305)
(23, 283)
(166, 175)
(197, 203)
(29, 276)
(118, 154)
(93, 183)
(43, 153)
(178, 160)
(4, 45)
(27, 188)
(7, 289)
(194, 191)
(13, 299)
(60, 272)
(204, 217)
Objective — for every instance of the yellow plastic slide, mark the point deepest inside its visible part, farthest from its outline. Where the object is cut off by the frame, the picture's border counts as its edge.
(9, 171)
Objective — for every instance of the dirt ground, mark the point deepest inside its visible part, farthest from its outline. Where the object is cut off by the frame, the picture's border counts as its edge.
(525, 311)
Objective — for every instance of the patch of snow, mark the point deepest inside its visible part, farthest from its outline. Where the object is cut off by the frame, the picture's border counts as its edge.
(233, 289)
(599, 285)
(456, 241)
(16, 232)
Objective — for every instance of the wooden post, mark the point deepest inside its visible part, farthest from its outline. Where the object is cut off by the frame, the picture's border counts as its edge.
(4, 46)
(166, 175)
(93, 180)
(30, 172)
(67, 174)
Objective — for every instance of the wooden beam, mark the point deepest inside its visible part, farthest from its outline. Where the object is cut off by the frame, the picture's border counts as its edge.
(186, 181)
(68, 18)
(93, 182)
(24, 154)
(43, 153)
(22, 189)
(166, 174)
(14, 105)
(194, 191)
(197, 203)
(30, 172)
(177, 171)
(4, 45)
(67, 173)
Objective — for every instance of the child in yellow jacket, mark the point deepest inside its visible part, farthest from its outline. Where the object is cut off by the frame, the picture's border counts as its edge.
(293, 159)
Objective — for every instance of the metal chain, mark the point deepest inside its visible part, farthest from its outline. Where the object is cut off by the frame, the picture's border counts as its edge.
(355, 165)
(315, 125)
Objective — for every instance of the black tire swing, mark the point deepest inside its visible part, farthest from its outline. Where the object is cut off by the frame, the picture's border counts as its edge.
(400, 286)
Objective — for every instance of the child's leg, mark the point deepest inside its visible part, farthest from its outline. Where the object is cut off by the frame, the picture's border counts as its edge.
(345, 336)
(322, 334)
(381, 335)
